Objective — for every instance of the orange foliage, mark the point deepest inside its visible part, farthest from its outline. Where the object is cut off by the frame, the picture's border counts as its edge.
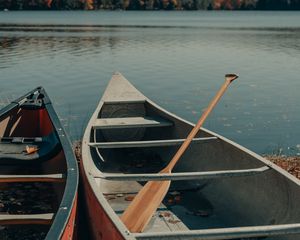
(48, 3)
(89, 4)
(227, 4)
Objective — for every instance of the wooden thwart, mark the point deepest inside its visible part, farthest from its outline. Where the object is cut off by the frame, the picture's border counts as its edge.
(130, 122)
(26, 219)
(152, 143)
(32, 178)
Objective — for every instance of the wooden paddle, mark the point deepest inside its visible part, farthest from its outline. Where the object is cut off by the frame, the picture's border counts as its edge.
(145, 203)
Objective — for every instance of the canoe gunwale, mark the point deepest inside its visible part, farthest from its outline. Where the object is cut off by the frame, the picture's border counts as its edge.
(70, 192)
(226, 233)
(180, 175)
(7, 109)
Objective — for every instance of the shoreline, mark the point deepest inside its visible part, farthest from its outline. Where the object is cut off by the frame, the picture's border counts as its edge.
(151, 5)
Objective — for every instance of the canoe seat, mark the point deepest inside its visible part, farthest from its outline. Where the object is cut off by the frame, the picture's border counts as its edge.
(32, 178)
(130, 122)
(152, 143)
(13, 149)
(26, 219)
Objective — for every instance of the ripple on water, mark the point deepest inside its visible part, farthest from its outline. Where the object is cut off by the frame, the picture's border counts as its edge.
(179, 63)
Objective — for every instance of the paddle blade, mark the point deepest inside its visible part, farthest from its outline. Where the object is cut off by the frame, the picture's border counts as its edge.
(139, 212)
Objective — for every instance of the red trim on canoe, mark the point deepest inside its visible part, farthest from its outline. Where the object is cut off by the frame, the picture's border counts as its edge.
(70, 231)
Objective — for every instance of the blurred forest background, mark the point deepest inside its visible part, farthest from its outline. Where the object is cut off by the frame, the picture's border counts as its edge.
(150, 4)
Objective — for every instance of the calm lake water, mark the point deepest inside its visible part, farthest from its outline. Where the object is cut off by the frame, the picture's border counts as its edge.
(178, 59)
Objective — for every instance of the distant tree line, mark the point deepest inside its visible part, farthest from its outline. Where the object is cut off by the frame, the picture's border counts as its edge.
(150, 4)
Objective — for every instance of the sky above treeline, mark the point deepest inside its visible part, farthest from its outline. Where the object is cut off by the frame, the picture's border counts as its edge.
(150, 4)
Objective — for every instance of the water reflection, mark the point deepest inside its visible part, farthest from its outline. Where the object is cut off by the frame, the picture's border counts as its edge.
(180, 67)
(95, 36)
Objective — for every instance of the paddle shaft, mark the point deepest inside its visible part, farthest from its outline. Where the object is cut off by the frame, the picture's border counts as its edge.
(139, 212)
(228, 79)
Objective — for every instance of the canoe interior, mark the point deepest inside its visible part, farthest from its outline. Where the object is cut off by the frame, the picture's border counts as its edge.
(268, 198)
(28, 124)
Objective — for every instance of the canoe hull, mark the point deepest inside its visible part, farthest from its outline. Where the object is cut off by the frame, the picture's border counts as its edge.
(100, 224)
(70, 231)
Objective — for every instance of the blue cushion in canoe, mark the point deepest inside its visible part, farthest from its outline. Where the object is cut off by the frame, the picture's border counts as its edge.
(13, 149)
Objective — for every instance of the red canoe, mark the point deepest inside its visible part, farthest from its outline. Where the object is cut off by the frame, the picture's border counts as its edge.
(38, 170)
